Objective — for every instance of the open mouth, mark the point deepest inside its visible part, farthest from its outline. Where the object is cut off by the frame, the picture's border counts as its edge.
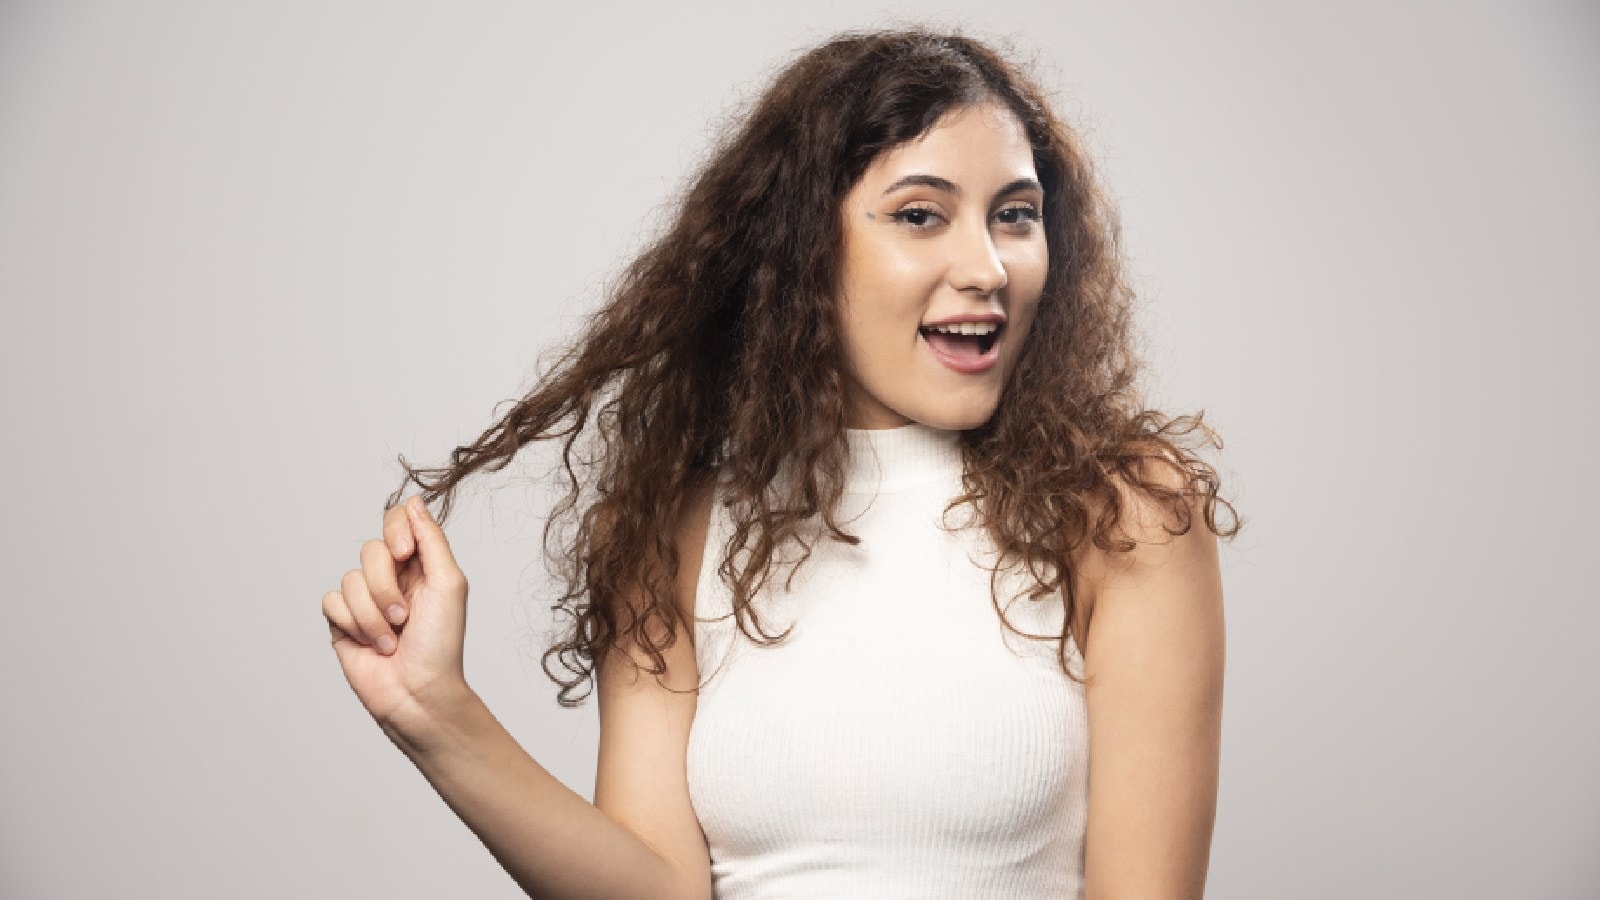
(965, 340)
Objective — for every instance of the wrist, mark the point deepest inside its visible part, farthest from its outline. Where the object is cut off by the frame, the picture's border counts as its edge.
(432, 717)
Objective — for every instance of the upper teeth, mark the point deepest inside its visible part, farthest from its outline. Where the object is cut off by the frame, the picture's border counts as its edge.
(966, 328)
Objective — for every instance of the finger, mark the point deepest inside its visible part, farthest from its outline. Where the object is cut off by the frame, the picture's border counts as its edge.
(397, 532)
(375, 632)
(341, 625)
(377, 567)
(438, 563)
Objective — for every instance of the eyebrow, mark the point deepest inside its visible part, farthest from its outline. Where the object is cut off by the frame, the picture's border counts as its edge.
(950, 187)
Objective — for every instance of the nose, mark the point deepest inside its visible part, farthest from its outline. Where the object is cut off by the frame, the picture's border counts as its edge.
(975, 265)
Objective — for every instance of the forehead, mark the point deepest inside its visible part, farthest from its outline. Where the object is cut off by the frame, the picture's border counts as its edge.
(984, 141)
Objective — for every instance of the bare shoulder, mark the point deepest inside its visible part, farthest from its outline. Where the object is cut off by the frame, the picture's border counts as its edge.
(1167, 586)
(1164, 532)
(689, 539)
(693, 526)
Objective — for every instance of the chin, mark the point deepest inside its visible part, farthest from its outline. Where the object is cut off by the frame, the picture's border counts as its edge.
(954, 418)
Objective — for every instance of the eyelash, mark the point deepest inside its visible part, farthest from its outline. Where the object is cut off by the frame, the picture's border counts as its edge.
(1030, 215)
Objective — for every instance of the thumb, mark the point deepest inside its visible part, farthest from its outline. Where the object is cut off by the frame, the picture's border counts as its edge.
(433, 550)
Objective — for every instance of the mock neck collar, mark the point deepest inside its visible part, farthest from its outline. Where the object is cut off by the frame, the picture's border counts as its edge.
(890, 459)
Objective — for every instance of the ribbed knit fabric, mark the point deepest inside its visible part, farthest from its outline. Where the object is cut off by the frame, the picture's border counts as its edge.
(899, 742)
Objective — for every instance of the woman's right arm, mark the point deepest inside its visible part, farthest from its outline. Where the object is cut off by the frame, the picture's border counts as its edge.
(550, 840)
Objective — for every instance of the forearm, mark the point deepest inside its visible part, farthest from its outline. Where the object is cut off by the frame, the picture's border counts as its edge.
(552, 842)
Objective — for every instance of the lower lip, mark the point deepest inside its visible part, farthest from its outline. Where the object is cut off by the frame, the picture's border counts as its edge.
(967, 365)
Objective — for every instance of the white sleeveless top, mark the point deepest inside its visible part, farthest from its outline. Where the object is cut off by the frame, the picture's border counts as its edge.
(899, 742)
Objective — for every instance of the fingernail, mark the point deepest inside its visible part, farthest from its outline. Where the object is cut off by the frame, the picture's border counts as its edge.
(386, 644)
(414, 506)
(396, 614)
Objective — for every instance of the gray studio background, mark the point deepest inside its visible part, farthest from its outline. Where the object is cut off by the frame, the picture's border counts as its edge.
(249, 253)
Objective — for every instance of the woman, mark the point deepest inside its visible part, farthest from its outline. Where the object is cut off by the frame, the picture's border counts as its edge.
(873, 545)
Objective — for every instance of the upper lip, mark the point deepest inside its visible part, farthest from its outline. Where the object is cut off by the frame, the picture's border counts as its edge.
(983, 318)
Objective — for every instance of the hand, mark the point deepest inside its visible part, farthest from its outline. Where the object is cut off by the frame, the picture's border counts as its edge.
(407, 582)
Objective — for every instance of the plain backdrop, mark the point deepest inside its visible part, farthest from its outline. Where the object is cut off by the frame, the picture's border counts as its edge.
(250, 253)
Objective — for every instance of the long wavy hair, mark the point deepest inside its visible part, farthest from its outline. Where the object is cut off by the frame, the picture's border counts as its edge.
(716, 357)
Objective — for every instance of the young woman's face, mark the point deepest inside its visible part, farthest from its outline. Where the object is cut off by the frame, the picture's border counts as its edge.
(944, 260)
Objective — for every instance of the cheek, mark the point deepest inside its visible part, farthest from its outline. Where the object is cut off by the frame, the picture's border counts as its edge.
(886, 290)
(1029, 268)
(872, 331)
(1028, 281)
(901, 269)
(1029, 317)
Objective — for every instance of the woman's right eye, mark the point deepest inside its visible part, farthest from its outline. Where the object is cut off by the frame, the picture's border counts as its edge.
(918, 218)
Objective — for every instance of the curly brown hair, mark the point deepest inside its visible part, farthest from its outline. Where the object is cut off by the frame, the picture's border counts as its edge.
(717, 357)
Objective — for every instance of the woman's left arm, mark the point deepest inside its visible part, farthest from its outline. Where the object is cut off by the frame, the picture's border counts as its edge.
(1154, 659)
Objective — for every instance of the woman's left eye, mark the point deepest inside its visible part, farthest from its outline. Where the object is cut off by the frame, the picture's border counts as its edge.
(1019, 214)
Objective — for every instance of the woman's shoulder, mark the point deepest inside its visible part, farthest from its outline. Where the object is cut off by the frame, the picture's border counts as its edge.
(689, 530)
(1158, 515)
(689, 538)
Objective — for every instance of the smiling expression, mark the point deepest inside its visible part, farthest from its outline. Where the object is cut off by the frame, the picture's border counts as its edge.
(944, 260)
